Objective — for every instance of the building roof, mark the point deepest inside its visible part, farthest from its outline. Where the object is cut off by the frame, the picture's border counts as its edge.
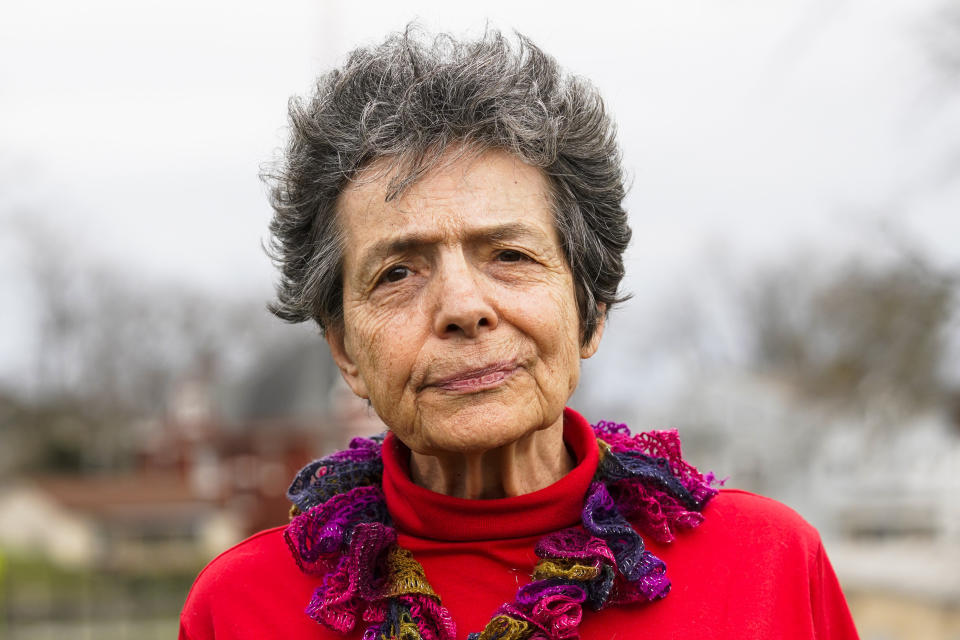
(126, 497)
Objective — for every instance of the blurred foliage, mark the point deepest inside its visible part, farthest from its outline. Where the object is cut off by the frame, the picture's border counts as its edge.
(62, 435)
(117, 343)
(860, 334)
(111, 348)
(34, 589)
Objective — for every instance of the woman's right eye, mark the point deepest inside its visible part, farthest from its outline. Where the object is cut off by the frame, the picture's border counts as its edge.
(395, 274)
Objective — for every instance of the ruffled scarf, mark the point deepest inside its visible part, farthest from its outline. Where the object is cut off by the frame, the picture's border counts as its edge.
(341, 531)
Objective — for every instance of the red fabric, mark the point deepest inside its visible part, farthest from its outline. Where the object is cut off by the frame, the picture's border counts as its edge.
(753, 569)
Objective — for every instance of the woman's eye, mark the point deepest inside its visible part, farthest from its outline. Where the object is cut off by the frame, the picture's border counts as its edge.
(511, 256)
(395, 274)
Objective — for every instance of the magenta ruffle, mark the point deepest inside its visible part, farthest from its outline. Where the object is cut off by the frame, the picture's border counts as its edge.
(554, 609)
(317, 538)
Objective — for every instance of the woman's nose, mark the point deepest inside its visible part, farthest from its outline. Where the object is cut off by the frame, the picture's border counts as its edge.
(463, 307)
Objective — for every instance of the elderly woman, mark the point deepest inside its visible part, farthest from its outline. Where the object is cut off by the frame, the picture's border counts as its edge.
(450, 215)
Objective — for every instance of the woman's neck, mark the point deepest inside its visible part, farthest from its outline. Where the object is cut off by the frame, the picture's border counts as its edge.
(529, 464)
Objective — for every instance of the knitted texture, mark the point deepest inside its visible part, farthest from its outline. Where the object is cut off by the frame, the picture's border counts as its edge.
(341, 530)
(359, 465)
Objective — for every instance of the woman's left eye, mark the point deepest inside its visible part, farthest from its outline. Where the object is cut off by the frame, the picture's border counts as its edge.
(511, 256)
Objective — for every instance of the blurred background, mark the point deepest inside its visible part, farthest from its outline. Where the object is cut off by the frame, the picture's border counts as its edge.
(795, 270)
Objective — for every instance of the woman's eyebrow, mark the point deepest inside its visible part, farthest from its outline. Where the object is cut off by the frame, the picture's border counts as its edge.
(508, 231)
(413, 241)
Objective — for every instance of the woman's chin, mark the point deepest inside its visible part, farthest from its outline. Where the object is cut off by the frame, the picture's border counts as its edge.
(475, 427)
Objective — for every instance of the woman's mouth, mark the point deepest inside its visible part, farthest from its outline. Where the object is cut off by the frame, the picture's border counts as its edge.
(477, 379)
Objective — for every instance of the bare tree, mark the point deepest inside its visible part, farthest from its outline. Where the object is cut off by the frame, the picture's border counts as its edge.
(111, 347)
(860, 336)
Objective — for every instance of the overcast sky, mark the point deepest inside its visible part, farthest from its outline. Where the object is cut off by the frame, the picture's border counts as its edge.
(750, 129)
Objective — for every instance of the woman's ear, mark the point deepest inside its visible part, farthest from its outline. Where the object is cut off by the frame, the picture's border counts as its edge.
(345, 362)
(593, 344)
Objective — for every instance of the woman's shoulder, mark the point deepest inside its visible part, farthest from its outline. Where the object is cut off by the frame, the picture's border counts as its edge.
(746, 506)
(746, 542)
(264, 550)
(755, 522)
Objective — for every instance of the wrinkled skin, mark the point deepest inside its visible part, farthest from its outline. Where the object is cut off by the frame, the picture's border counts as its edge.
(460, 322)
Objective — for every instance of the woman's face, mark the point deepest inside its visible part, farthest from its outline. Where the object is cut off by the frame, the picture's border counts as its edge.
(460, 323)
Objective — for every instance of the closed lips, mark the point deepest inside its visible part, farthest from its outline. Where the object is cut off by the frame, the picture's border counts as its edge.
(481, 377)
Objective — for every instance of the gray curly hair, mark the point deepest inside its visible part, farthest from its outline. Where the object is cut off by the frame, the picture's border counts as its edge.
(412, 100)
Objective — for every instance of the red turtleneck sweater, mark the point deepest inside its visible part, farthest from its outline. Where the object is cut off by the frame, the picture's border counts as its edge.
(752, 569)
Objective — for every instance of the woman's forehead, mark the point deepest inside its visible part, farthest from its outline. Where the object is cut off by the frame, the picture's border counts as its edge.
(457, 171)
(490, 194)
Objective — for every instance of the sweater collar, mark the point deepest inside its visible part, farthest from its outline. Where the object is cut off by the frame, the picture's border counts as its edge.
(426, 514)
